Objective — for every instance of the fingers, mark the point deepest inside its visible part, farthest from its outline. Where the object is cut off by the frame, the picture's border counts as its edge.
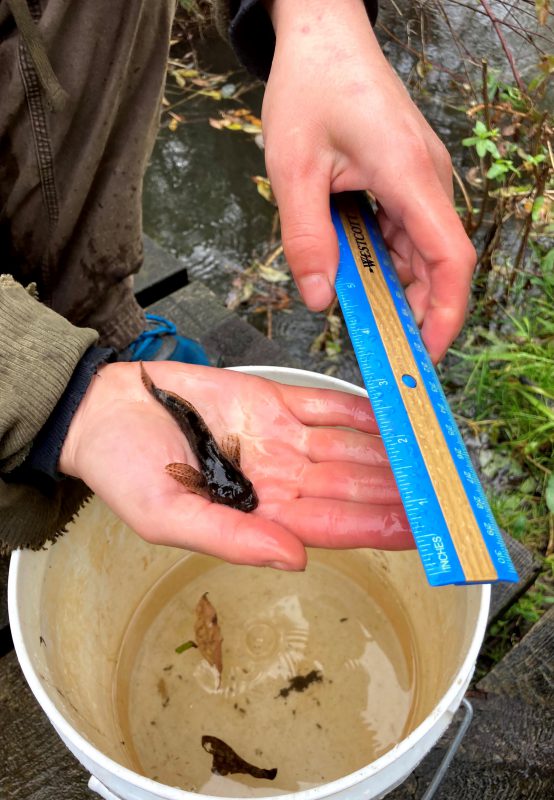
(328, 444)
(197, 524)
(302, 190)
(447, 256)
(332, 523)
(360, 484)
(329, 407)
(435, 257)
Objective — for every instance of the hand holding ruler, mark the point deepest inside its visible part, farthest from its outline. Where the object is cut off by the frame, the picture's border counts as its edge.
(455, 532)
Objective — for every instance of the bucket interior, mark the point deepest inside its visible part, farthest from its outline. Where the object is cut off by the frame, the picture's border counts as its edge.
(106, 611)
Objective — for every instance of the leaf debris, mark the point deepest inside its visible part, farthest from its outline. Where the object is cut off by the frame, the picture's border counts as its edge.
(185, 646)
(301, 682)
(208, 633)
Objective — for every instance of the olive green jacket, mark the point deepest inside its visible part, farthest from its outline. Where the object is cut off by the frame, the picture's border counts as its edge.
(39, 351)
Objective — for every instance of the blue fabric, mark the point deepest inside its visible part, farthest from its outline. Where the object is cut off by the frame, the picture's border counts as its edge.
(160, 341)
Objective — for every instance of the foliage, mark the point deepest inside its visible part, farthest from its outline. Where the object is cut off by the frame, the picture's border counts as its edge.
(507, 403)
(505, 358)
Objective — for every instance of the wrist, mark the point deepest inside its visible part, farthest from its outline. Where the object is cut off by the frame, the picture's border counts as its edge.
(322, 35)
(292, 14)
(67, 461)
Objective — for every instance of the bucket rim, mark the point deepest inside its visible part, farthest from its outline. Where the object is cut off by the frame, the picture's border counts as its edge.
(346, 782)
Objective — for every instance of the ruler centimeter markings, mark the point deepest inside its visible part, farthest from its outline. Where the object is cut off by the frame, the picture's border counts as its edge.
(456, 534)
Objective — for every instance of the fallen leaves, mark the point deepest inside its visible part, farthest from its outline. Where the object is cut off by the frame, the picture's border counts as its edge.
(264, 188)
(263, 286)
(208, 633)
(241, 119)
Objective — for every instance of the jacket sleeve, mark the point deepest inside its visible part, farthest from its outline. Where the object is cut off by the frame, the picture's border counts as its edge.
(39, 351)
(247, 26)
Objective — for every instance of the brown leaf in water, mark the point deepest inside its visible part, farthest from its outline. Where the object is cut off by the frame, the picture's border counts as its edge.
(227, 762)
(208, 633)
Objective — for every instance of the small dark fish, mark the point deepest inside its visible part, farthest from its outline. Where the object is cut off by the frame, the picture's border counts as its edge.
(227, 762)
(220, 478)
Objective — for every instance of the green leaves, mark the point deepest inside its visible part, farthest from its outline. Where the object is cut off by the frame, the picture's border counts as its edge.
(500, 167)
(483, 140)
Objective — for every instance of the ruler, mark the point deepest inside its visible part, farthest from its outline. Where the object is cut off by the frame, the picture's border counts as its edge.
(454, 529)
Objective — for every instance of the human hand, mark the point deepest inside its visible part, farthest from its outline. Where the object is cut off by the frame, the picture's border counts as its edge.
(317, 485)
(336, 117)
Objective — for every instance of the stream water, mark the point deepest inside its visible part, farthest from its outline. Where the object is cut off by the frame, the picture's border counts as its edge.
(201, 204)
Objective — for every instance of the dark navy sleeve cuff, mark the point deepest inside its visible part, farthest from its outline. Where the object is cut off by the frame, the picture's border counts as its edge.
(253, 39)
(45, 451)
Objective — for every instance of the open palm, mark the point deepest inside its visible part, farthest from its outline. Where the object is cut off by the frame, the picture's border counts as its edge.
(318, 484)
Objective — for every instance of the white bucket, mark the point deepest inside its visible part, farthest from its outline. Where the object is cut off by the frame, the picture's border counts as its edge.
(71, 604)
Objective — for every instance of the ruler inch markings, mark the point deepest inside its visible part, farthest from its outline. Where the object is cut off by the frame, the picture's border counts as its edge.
(454, 528)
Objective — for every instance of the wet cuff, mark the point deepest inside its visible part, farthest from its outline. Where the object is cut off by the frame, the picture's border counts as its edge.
(45, 451)
(253, 39)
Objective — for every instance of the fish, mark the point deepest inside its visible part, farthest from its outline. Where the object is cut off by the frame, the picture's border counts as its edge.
(219, 478)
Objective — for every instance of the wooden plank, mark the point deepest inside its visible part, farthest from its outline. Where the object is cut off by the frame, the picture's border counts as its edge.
(36, 765)
(527, 670)
(503, 595)
(229, 341)
(507, 753)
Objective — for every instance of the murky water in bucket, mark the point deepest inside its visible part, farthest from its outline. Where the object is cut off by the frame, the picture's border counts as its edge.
(337, 621)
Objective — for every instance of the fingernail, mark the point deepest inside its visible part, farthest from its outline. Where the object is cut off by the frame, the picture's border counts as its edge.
(279, 565)
(316, 291)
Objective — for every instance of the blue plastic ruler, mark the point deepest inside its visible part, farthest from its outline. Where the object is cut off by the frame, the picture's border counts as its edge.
(456, 534)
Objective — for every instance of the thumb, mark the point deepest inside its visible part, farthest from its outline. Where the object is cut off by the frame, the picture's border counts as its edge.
(309, 238)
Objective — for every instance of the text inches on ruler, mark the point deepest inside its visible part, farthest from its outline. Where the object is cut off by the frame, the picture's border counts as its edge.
(363, 247)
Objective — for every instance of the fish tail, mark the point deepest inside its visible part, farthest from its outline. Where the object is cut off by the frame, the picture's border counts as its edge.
(147, 380)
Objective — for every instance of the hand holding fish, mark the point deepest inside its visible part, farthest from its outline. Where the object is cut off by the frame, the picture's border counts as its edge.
(315, 483)
(336, 117)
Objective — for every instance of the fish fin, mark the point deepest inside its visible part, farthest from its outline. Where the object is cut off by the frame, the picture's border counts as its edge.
(189, 477)
(230, 446)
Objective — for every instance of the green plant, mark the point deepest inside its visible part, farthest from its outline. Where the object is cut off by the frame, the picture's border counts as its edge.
(483, 140)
